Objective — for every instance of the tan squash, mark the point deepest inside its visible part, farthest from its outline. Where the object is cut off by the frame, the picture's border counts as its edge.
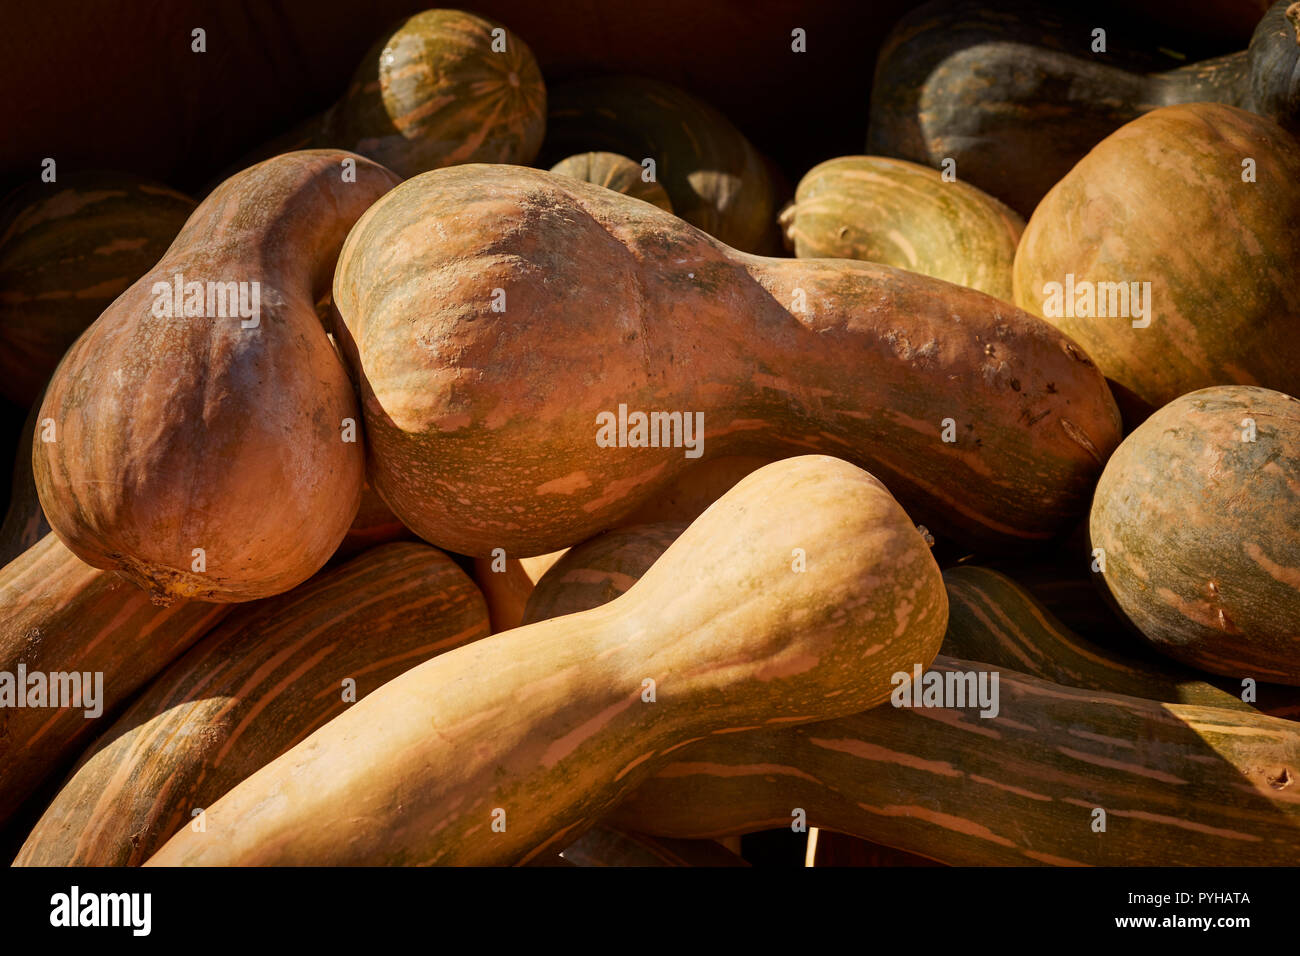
(540, 730)
(204, 456)
(61, 616)
(484, 434)
(266, 678)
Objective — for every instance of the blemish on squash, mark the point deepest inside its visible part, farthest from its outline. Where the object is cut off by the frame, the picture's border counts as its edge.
(1279, 780)
(567, 485)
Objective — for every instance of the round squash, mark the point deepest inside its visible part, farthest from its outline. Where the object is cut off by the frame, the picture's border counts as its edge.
(1201, 531)
(900, 214)
(1220, 310)
(203, 453)
(614, 172)
(715, 179)
(439, 89)
(483, 433)
(67, 250)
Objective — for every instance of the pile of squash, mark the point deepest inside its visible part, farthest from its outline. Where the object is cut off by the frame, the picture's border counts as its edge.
(485, 473)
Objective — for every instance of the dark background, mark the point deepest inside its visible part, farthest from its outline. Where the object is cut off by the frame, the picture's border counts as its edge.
(115, 85)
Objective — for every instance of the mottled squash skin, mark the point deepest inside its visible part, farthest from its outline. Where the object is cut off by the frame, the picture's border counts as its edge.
(1014, 95)
(614, 172)
(183, 433)
(67, 250)
(268, 676)
(482, 429)
(1016, 789)
(714, 177)
(549, 723)
(58, 614)
(434, 92)
(904, 215)
(1224, 307)
(1202, 532)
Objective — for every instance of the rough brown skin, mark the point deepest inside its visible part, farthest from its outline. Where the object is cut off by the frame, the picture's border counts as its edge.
(1202, 532)
(1224, 307)
(432, 92)
(616, 172)
(180, 433)
(904, 215)
(61, 615)
(715, 179)
(548, 722)
(262, 681)
(482, 430)
(1014, 94)
(1181, 785)
(67, 250)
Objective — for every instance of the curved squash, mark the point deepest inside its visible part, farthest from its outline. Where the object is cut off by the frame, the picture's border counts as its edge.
(614, 172)
(67, 250)
(1015, 96)
(1181, 785)
(270, 675)
(481, 435)
(1198, 513)
(1220, 311)
(62, 616)
(714, 178)
(910, 778)
(203, 455)
(435, 91)
(543, 728)
(904, 215)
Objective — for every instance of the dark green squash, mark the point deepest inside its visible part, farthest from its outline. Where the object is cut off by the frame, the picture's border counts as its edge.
(715, 179)
(1014, 95)
(619, 173)
(67, 250)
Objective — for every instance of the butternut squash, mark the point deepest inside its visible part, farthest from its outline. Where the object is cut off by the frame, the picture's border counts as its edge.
(63, 617)
(483, 434)
(539, 730)
(948, 784)
(266, 678)
(198, 452)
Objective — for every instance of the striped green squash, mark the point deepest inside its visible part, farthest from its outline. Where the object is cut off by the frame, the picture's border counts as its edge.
(904, 215)
(442, 89)
(272, 673)
(619, 173)
(67, 250)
